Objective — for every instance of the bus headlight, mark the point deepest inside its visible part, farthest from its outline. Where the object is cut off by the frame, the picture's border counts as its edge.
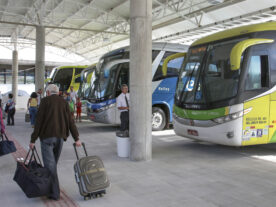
(231, 117)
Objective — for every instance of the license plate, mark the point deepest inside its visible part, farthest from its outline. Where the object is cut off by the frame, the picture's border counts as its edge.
(192, 132)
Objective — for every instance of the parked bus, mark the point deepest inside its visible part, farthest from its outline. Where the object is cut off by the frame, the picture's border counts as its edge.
(85, 85)
(113, 71)
(85, 81)
(226, 91)
(66, 76)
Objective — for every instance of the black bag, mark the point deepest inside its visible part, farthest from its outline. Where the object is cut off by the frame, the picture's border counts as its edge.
(6, 146)
(34, 179)
(27, 116)
(6, 108)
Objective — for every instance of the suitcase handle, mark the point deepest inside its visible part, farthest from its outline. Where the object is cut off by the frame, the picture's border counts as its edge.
(77, 178)
(75, 147)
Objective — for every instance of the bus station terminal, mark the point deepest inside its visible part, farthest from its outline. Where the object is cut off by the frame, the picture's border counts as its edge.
(147, 103)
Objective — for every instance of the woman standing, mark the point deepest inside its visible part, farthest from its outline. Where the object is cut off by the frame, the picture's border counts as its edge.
(32, 106)
(10, 109)
(2, 126)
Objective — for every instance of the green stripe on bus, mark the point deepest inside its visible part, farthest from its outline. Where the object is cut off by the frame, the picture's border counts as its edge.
(200, 114)
(273, 138)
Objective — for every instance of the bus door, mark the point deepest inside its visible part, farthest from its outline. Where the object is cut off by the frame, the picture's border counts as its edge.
(272, 120)
(123, 78)
(258, 108)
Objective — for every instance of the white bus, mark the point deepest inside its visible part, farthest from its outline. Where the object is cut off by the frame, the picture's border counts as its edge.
(113, 71)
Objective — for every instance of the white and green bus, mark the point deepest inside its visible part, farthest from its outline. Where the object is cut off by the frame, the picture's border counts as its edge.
(226, 91)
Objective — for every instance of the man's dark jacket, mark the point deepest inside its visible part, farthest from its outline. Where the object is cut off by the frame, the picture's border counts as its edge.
(54, 120)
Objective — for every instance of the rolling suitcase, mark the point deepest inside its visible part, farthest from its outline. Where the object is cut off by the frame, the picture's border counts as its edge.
(90, 175)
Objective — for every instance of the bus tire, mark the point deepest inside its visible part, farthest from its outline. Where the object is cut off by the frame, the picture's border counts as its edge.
(158, 119)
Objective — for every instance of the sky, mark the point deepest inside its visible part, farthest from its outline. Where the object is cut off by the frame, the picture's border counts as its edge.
(52, 54)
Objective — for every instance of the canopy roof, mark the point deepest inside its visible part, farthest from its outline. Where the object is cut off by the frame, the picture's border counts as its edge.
(91, 28)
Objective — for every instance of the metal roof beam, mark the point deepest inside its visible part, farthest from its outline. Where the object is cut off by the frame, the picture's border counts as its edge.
(217, 26)
(54, 4)
(5, 9)
(113, 28)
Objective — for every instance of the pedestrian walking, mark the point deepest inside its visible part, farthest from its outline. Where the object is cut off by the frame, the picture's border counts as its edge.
(53, 123)
(32, 107)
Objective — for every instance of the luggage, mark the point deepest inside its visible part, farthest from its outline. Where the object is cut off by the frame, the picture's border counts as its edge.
(27, 116)
(6, 146)
(90, 175)
(34, 179)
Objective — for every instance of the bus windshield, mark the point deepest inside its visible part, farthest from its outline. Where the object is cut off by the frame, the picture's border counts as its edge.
(63, 78)
(206, 77)
(85, 83)
(102, 84)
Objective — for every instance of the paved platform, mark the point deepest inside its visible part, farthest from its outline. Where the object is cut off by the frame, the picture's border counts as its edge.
(181, 173)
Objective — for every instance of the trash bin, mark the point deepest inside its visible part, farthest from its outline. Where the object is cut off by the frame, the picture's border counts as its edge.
(123, 146)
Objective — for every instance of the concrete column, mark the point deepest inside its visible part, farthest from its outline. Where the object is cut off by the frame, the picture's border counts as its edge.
(15, 74)
(40, 58)
(140, 79)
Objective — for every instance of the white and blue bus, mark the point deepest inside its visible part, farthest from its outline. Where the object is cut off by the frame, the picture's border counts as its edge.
(113, 71)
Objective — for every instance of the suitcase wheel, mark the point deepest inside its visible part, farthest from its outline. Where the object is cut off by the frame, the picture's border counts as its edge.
(94, 195)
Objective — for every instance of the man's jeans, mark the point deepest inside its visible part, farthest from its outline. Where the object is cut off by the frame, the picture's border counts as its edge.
(50, 150)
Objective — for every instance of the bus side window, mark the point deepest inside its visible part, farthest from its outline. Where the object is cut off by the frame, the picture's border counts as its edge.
(257, 76)
(173, 67)
(123, 77)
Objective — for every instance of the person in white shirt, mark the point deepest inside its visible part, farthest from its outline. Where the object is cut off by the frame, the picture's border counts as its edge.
(123, 105)
(73, 94)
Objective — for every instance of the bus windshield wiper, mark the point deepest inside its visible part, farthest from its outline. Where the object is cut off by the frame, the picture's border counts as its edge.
(181, 98)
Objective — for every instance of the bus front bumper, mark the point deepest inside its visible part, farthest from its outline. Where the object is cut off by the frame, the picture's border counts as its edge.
(229, 133)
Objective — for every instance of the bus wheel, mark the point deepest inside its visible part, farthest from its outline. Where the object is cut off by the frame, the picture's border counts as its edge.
(158, 119)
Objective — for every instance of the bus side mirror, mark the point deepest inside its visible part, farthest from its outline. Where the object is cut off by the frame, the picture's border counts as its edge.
(239, 48)
(168, 59)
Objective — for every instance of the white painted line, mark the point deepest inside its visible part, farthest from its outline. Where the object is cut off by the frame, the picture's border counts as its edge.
(163, 133)
(171, 139)
(271, 158)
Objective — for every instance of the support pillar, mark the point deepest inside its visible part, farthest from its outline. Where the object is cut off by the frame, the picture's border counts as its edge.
(40, 58)
(15, 75)
(140, 80)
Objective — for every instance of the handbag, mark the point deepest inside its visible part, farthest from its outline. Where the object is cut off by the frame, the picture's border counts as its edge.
(34, 179)
(6, 108)
(6, 146)
(27, 116)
